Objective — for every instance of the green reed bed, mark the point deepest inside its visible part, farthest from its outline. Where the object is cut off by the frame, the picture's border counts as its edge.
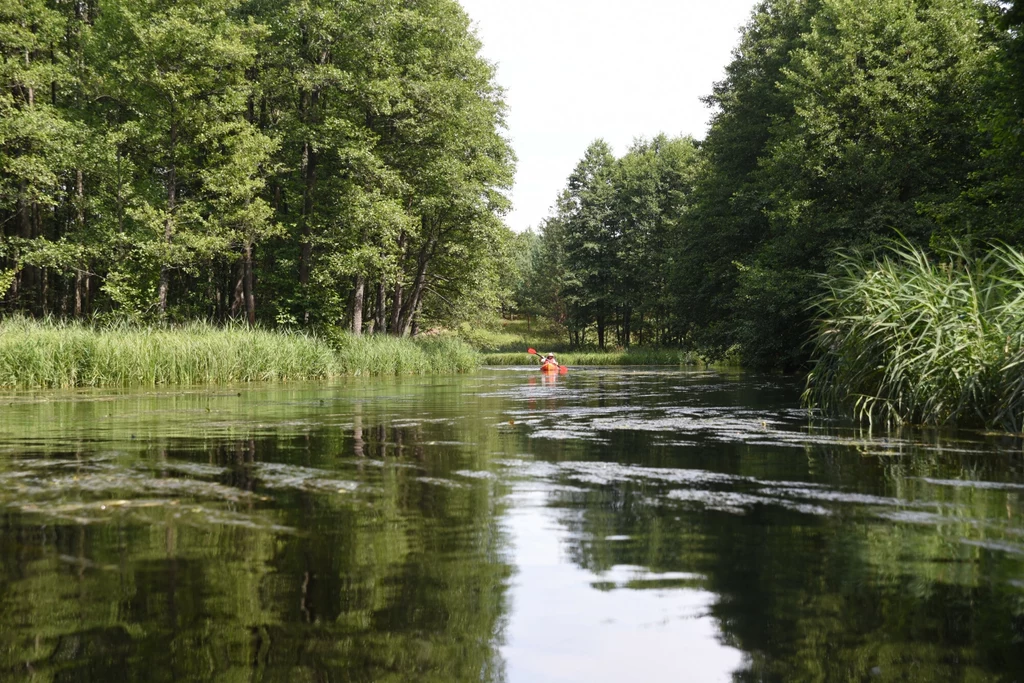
(384, 355)
(63, 355)
(570, 358)
(910, 339)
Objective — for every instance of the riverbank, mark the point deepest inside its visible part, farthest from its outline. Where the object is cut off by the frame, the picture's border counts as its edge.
(44, 354)
(507, 345)
(639, 356)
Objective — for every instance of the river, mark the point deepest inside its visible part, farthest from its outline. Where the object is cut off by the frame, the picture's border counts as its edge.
(607, 525)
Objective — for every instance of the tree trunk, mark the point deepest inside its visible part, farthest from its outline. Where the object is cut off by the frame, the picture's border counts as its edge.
(87, 308)
(419, 284)
(600, 332)
(238, 300)
(396, 308)
(396, 298)
(80, 216)
(309, 177)
(357, 305)
(44, 290)
(247, 286)
(415, 328)
(379, 315)
(172, 195)
(627, 316)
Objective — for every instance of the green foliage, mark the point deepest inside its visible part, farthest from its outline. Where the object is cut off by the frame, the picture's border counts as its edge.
(602, 262)
(514, 335)
(386, 355)
(64, 355)
(836, 122)
(309, 162)
(905, 339)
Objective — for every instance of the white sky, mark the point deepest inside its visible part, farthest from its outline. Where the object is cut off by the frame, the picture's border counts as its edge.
(577, 70)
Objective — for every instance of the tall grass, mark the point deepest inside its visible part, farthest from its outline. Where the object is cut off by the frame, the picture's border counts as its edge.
(640, 356)
(63, 355)
(907, 339)
(384, 355)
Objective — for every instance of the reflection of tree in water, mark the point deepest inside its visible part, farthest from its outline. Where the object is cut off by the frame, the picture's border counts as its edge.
(847, 596)
(399, 579)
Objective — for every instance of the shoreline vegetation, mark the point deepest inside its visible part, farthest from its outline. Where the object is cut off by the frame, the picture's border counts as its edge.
(57, 355)
(910, 338)
(223, 174)
(641, 356)
(51, 354)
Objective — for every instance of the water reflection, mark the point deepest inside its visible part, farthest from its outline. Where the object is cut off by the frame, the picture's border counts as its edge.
(605, 525)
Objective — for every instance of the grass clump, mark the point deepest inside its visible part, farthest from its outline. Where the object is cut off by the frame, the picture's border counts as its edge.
(907, 339)
(49, 354)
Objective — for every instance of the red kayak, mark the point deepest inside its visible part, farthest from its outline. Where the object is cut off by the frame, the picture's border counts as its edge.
(548, 366)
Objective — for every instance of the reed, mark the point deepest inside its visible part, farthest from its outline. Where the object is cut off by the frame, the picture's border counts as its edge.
(50, 354)
(908, 339)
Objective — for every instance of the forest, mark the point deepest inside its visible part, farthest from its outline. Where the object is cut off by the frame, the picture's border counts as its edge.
(279, 163)
(345, 164)
(840, 128)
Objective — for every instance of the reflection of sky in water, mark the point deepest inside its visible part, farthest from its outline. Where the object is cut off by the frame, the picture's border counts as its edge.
(565, 628)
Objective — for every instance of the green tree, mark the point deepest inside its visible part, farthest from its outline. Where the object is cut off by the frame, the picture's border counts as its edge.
(587, 237)
(727, 218)
(175, 80)
(38, 144)
(652, 187)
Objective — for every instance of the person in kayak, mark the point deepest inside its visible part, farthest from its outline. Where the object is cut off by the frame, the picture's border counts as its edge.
(549, 361)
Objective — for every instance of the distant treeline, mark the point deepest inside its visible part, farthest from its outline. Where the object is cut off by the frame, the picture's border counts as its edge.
(283, 161)
(838, 123)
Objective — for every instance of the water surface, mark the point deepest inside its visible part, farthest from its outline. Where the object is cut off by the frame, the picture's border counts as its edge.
(607, 525)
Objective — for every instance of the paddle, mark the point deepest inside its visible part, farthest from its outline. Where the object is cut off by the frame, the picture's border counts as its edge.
(561, 368)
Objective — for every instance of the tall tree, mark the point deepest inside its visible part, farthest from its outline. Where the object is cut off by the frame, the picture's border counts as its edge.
(584, 216)
(175, 79)
(38, 143)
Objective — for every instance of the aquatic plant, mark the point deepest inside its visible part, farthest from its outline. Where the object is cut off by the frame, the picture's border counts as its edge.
(908, 338)
(63, 354)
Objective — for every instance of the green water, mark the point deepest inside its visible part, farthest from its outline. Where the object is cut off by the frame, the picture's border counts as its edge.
(608, 525)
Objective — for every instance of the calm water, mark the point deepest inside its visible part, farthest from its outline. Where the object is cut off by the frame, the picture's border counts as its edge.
(609, 525)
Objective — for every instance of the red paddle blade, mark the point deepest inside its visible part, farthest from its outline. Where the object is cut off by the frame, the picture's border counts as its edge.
(533, 351)
(562, 369)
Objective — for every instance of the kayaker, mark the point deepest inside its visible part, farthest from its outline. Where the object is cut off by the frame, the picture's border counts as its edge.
(550, 358)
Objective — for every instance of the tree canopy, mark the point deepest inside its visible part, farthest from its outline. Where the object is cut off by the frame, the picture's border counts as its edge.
(287, 162)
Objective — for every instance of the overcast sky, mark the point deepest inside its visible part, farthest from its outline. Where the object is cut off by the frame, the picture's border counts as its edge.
(577, 70)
